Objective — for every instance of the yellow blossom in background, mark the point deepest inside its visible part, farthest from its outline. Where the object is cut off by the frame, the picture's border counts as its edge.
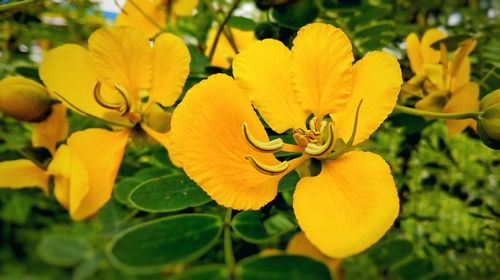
(150, 16)
(121, 80)
(224, 51)
(220, 142)
(46, 133)
(443, 85)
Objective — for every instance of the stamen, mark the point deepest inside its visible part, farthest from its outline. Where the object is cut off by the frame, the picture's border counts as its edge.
(272, 170)
(123, 93)
(101, 101)
(312, 124)
(124, 107)
(266, 147)
(317, 150)
(353, 135)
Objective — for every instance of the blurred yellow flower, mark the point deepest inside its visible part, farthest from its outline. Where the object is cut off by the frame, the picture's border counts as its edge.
(224, 51)
(442, 85)
(121, 80)
(220, 142)
(150, 16)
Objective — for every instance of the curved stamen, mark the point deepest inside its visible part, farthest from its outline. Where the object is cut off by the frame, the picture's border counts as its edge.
(267, 147)
(317, 150)
(101, 101)
(272, 170)
(128, 102)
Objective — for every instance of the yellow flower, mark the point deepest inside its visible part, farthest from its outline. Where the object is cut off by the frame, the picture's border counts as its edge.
(353, 201)
(149, 16)
(23, 173)
(224, 51)
(443, 85)
(120, 80)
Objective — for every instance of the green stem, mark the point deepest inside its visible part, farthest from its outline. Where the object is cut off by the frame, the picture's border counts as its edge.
(422, 113)
(490, 72)
(221, 28)
(228, 246)
(8, 6)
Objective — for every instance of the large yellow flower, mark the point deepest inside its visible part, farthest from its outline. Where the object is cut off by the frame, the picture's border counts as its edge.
(442, 85)
(353, 201)
(149, 16)
(122, 80)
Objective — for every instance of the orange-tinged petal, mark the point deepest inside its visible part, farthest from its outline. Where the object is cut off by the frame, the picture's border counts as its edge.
(51, 130)
(224, 52)
(377, 81)
(135, 16)
(69, 72)
(184, 7)
(300, 245)
(466, 99)
(88, 167)
(430, 55)
(170, 69)
(22, 173)
(122, 56)
(414, 54)
(264, 71)
(207, 140)
(349, 206)
(322, 68)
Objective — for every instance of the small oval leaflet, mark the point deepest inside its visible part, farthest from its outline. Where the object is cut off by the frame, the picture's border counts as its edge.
(168, 193)
(149, 246)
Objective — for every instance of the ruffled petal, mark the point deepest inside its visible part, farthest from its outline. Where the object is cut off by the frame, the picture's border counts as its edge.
(322, 68)
(224, 52)
(171, 60)
(264, 71)
(122, 56)
(430, 55)
(73, 83)
(85, 169)
(349, 206)
(184, 7)
(414, 54)
(207, 140)
(51, 130)
(377, 81)
(132, 15)
(465, 99)
(22, 173)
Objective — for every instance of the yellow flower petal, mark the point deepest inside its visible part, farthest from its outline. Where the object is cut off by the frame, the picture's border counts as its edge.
(466, 99)
(133, 16)
(414, 53)
(322, 68)
(349, 206)
(88, 167)
(224, 53)
(69, 72)
(184, 7)
(377, 81)
(207, 140)
(430, 55)
(51, 130)
(22, 173)
(432, 102)
(122, 56)
(460, 65)
(170, 69)
(300, 245)
(263, 70)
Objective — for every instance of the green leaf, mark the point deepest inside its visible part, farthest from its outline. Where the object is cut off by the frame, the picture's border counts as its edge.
(242, 23)
(124, 188)
(296, 14)
(87, 268)
(168, 193)
(281, 267)
(289, 181)
(62, 250)
(251, 228)
(149, 246)
(390, 252)
(415, 269)
(204, 272)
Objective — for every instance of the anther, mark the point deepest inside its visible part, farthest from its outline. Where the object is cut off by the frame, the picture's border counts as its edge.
(272, 170)
(267, 147)
(317, 150)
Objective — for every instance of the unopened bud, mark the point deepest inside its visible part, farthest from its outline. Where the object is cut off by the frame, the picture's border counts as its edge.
(488, 126)
(24, 99)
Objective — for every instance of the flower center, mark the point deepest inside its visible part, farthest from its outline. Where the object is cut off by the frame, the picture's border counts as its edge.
(124, 106)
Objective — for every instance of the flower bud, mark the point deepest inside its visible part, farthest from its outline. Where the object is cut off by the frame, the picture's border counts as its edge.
(488, 126)
(24, 99)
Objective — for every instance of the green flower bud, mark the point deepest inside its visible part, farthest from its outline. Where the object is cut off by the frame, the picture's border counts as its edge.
(24, 99)
(488, 126)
